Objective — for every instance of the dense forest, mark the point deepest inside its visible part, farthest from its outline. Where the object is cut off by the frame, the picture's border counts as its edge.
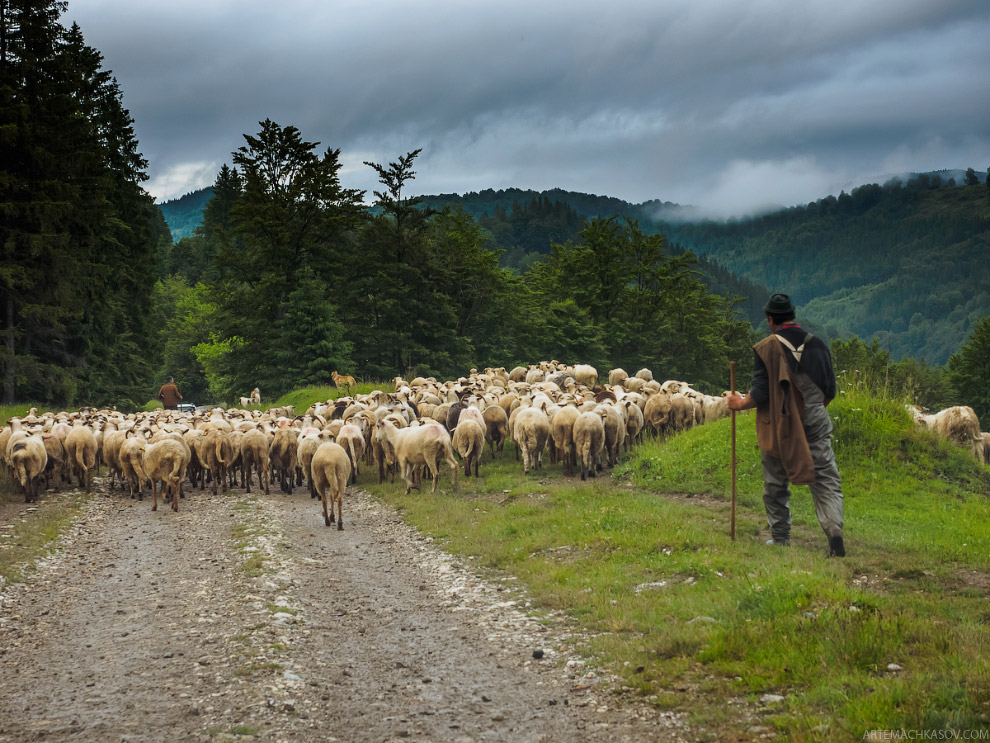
(78, 233)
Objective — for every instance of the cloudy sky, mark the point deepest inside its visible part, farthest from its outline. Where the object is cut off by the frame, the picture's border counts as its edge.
(723, 104)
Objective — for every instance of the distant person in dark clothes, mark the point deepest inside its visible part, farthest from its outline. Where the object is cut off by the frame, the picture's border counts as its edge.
(169, 395)
(793, 382)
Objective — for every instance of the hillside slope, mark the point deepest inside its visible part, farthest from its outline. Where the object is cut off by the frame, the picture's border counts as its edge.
(907, 265)
(185, 213)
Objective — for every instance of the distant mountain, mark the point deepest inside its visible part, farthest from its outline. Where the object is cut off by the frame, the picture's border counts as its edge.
(185, 214)
(904, 262)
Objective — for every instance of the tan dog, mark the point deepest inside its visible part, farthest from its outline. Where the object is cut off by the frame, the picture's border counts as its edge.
(341, 380)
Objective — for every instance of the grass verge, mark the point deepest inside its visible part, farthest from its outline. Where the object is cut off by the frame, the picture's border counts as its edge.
(893, 637)
(36, 533)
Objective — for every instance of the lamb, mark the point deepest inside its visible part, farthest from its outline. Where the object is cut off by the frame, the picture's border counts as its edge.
(589, 440)
(165, 462)
(80, 453)
(28, 459)
(420, 445)
(331, 471)
(469, 443)
(531, 430)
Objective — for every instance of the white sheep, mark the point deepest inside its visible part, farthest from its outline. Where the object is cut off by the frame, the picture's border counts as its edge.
(589, 440)
(331, 471)
(421, 445)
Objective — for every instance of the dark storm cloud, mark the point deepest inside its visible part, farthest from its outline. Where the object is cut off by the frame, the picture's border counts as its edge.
(725, 104)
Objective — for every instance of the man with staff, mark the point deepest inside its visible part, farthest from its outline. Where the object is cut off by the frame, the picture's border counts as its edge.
(793, 382)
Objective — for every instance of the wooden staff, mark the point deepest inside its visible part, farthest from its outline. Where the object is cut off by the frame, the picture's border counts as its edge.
(732, 463)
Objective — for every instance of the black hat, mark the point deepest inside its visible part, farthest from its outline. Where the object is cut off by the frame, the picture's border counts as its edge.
(779, 304)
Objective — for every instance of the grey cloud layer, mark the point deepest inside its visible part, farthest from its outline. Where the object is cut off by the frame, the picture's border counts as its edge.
(639, 100)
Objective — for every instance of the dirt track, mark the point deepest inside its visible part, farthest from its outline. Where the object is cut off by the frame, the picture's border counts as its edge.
(150, 627)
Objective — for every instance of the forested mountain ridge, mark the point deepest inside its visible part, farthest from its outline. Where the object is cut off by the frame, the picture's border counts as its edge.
(185, 213)
(906, 264)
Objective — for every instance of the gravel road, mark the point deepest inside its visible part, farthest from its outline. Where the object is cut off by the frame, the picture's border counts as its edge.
(156, 627)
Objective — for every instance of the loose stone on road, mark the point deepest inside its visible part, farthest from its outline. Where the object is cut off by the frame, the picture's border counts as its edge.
(242, 617)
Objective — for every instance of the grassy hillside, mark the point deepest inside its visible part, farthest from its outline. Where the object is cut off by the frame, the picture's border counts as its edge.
(905, 264)
(894, 636)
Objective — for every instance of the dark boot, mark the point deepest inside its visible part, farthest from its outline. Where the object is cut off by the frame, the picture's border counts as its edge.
(835, 547)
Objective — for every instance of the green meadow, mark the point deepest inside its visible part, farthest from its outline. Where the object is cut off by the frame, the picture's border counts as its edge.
(894, 636)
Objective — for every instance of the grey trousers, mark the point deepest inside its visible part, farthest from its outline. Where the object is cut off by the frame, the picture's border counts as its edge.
(826, 492)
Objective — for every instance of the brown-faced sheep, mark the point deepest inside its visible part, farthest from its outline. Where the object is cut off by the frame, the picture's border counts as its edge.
(589, 440)
(331, 471)
(469, 443)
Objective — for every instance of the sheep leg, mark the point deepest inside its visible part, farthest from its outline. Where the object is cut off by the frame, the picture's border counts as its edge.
(327, 520)
(154, 495)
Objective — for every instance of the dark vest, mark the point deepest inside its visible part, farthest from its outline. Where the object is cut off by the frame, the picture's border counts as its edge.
(780, 423)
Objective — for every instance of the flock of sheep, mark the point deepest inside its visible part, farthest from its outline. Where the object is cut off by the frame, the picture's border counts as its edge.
(548, 409)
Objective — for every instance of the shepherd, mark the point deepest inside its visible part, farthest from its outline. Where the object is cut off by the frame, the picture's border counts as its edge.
(341, 380)
(169, 395)
(793, 383)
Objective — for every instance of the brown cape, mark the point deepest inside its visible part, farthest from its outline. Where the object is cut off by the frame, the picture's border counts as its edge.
(780, 423)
